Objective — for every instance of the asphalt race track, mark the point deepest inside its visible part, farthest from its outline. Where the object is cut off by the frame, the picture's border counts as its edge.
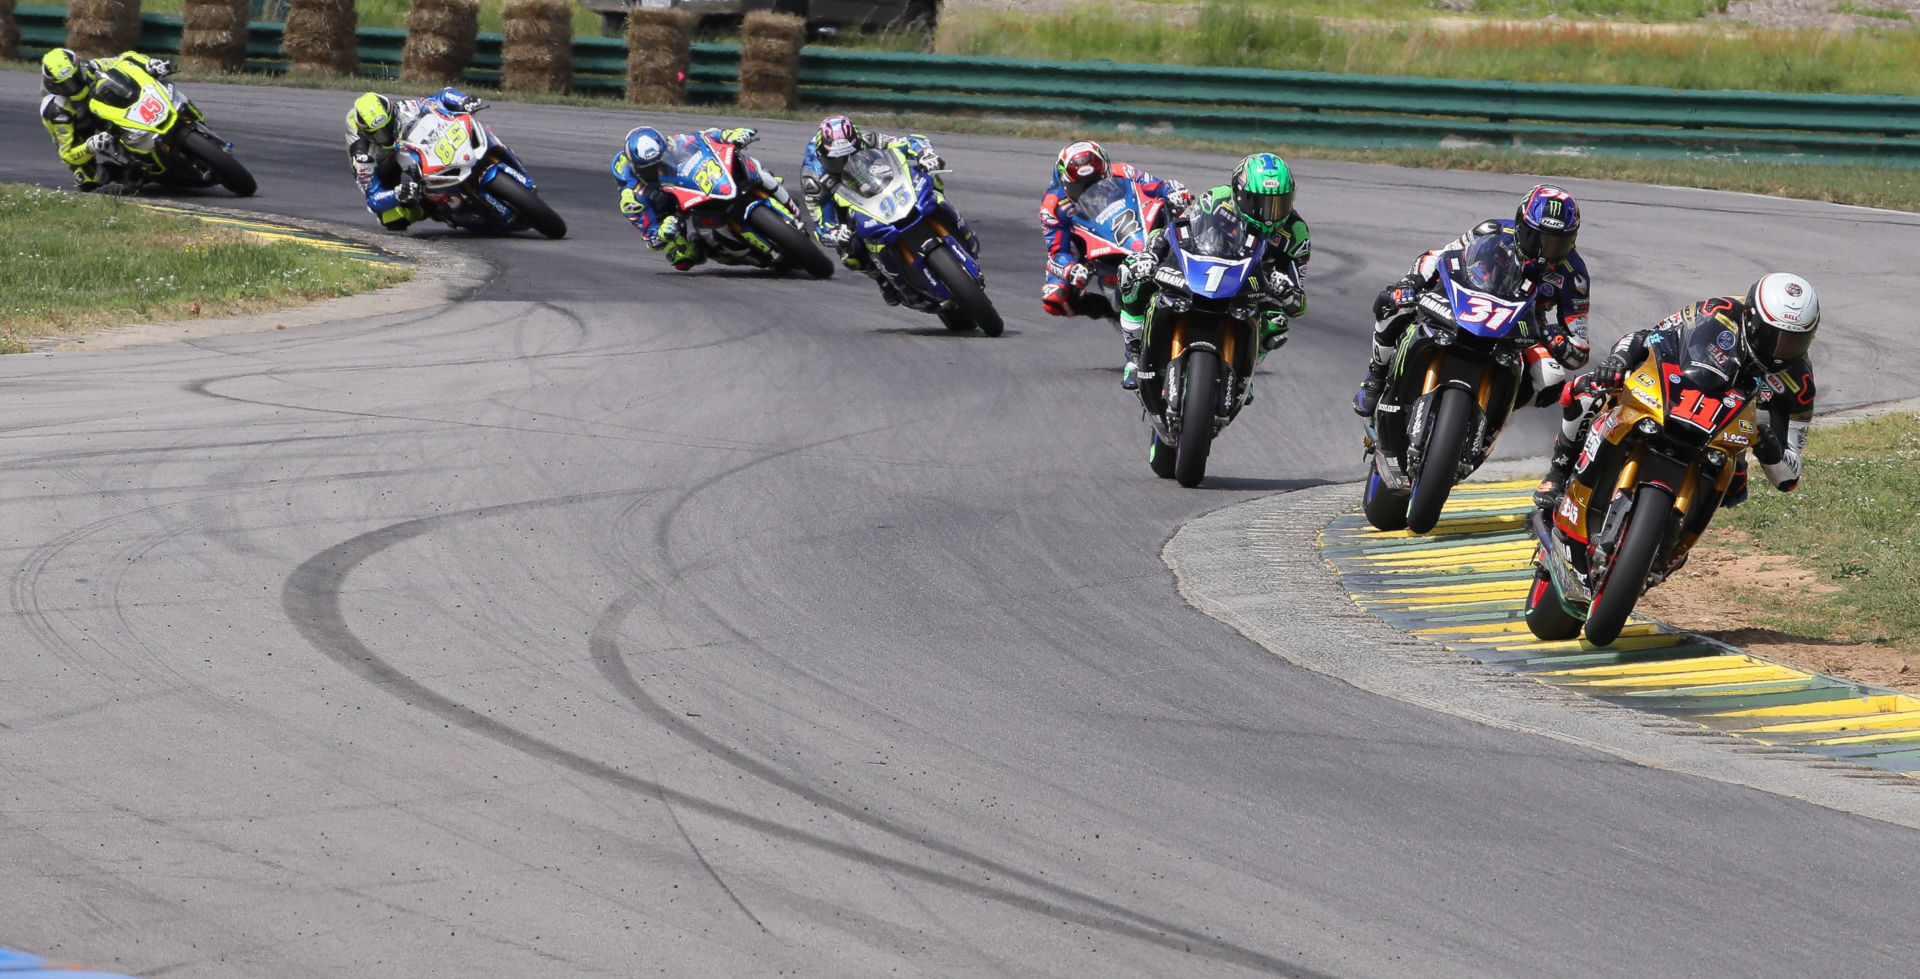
(623, 622)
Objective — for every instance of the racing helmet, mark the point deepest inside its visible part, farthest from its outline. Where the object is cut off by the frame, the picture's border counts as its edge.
(1783, 311)
(646, 151)
(1546, 224)
(836, 141)
(373, 117)
(62, 74)
(1263, 191)
(1081, 165)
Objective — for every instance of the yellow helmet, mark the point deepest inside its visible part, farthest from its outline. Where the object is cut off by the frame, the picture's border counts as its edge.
(373, 117)
(61, 73)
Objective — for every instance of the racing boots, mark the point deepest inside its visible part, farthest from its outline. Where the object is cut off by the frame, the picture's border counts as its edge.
(1553, 486)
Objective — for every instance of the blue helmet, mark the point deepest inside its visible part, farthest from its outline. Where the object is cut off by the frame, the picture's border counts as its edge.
(1546, 224)
(645, 150)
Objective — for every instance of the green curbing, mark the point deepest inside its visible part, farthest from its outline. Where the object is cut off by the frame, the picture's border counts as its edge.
(1437, 588)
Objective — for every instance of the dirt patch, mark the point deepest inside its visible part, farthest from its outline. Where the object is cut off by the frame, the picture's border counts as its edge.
(1699, 599)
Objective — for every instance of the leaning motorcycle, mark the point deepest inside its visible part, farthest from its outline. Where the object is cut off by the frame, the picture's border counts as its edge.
(1110, 221)
(1658, 459)
(1451, 387)
(1202, 339)
(165, 137)
(725, 209)
(469, 178)
(897, 219)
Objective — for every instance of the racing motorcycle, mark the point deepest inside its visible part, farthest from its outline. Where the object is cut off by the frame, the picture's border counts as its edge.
(1111, 220)
(165, 137)
(1658, 459)
(896, 217)
(469, 178)
(724, 208)
(1208, 334)
(1451, 387)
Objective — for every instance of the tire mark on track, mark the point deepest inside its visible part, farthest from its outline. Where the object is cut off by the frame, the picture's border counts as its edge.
(311, 597)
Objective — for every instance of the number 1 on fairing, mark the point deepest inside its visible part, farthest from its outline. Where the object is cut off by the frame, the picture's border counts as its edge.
(1214, 275)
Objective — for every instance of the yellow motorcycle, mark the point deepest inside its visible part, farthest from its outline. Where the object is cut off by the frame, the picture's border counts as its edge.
(1657, 462)
(164, 138)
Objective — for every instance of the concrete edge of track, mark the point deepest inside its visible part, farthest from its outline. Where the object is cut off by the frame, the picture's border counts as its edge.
(1259, 567)
(441, 274)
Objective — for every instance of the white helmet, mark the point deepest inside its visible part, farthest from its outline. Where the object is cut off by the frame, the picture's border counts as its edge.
(1782, 313)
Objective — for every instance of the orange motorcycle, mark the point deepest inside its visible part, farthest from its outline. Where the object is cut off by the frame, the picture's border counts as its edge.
(1656, 465)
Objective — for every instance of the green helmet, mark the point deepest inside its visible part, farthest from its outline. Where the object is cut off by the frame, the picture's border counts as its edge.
(1263, 191)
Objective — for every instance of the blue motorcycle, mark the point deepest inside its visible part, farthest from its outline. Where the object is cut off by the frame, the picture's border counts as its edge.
(1452, 384)
(1111, 221)
(899, 217)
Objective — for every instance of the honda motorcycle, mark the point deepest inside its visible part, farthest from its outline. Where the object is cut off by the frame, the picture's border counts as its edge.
(897, 218)
(165, 138)
(469, 178)
(1110, 221)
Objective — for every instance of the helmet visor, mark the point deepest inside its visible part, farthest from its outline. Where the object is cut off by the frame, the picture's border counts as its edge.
(1776, 347)
(69, 86)
(1265, 210)
(1551, 246)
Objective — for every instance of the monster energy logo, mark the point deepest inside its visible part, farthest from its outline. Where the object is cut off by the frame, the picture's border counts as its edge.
(1553, 209)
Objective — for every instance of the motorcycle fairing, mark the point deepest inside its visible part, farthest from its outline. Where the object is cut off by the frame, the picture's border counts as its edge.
(895, 209)
(1111, 220)
(699, 170)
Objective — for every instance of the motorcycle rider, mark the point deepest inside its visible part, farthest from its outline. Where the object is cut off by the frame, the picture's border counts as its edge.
(374, 126)
(1768, 332)
(85, 144)
(637, 168)
(1544, 228)
(1080, 165)
(823, 164)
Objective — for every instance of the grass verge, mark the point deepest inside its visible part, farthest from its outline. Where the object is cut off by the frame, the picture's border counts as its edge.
(75, 263)
(1855, 522)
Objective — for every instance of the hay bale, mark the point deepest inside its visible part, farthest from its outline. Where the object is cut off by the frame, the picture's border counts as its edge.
(319, 38)
(9, 32)
(213, 36)
(98, 28)
(770, 60)
(659, 52)
(536, 46)
(440, 40)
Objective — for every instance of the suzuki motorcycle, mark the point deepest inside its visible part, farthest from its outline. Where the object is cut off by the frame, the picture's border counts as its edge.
(1202, 339)
(1111, 220)
(470, 179)
(166, 139)
(1451, 386)
(897, 219)
(1657, 462)
(724, 208)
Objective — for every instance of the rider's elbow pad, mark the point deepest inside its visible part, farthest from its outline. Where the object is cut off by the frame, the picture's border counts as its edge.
(1785, 474)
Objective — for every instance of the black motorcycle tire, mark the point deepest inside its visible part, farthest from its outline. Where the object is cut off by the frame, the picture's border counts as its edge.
(1446, 440)
(795, 248)
(1547, 619)
(1626, 577)
(1197, 400)
(1161, 456)
(957, 322)
(973, 301)
(229, 171)
(527, 204)
(1386, 510)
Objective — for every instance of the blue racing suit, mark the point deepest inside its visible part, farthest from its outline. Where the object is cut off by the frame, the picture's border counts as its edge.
(651, 208)
(377, 168)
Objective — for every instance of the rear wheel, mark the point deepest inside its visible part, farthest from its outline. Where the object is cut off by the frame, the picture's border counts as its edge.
(1546, 618)
(1627, 573)
(229, 171)
(1446, 439)
(974, 304)
(1197, 402)
(794, 246)
(1386, 509)
(1161, 456)
(528, 205)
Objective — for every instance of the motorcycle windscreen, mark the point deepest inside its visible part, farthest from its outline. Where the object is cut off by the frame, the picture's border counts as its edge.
(1487, 286)
(691, 165)
(877, 186)
(1110, 213)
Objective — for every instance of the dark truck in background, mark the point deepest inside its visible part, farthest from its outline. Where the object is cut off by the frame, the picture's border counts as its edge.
(823, 16)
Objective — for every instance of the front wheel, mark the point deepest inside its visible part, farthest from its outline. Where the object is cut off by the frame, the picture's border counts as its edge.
(1627, 573)
(229, 171)
(1197, 402)
(1547, 619)
(1446, 440)
(1386, 509)
(792, 243)
(973, 301)
(527, 205)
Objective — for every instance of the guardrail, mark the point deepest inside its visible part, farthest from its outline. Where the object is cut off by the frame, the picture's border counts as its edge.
(1238, 105)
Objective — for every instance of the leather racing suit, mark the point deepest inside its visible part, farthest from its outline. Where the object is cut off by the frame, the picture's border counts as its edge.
(1059, 296)
(654, 210)
(377, 168)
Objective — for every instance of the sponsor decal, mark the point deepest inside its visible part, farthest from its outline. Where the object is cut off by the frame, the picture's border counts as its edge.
(1436, 304)
(1673, 378)
(1725, 340)
(1794, 290)
(1569, 509)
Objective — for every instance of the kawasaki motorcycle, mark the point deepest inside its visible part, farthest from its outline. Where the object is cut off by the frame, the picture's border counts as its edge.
(165, 138)
(469, 178)
(897, 218)
(725, 209)
(1451, 386)
(1659, 457)
(1201, 339)
(1110, 221)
